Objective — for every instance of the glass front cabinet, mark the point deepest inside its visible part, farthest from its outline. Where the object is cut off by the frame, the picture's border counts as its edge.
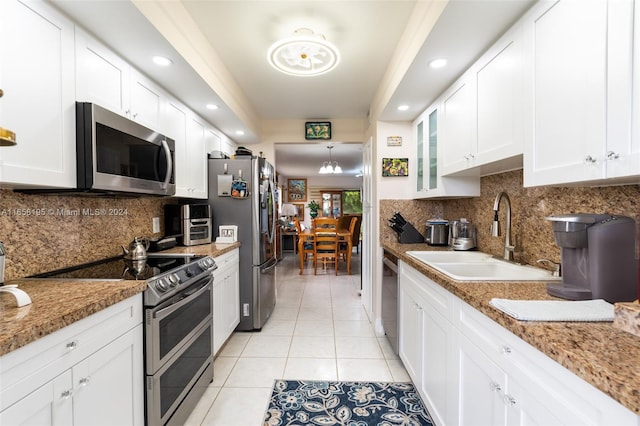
(430, 183)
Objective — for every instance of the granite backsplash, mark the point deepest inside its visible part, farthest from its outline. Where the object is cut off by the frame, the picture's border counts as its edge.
(47, 232)
(529, 206)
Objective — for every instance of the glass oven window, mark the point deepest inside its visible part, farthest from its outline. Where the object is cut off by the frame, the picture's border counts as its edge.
(184, 369)
(177, 326)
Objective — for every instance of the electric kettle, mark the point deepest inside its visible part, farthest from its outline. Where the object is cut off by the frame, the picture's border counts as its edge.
(462, 235)
(137, 249)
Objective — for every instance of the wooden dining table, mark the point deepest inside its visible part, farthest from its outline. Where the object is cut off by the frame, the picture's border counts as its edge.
(344, 235)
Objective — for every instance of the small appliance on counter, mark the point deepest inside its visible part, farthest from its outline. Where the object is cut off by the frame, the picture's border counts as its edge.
(191, 221)
(437, 232)
(597, 257)
(462, 235)
(406, 232)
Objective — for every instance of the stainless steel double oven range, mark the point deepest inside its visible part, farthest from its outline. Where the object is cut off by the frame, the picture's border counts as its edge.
(177, 331)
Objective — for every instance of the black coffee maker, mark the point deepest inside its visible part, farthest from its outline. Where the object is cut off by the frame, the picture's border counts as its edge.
(598, 257)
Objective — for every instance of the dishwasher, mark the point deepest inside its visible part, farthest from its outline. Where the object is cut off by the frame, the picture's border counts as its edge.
(390, 298)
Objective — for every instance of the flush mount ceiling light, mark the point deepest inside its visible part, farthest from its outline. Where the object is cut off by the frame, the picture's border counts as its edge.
(330, 166)
(303, 54)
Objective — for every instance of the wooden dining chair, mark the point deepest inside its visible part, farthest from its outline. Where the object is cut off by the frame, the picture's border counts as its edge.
(305, 245)
(325, 244)
(343, 246)
(325, 223)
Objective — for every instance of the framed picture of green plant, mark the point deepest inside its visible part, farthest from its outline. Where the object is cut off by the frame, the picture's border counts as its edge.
(395, 167)
(314, 130)
(296, 190)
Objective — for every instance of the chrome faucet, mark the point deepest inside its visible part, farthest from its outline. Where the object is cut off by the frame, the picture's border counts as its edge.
(495, 227)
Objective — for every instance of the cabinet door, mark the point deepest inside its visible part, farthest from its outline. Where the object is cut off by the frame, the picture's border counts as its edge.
(438, 377)
(176, 128)
(410, 332)
(499, 101)
(146, 100)
(481, 388)
(232, 298)
(569, 90)
(108, 385)
(50, 404)
(457, 127)
(102, 76)
(192, 181)
(37, 77)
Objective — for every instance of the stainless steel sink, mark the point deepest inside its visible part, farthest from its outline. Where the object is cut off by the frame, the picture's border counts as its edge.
(478, 266)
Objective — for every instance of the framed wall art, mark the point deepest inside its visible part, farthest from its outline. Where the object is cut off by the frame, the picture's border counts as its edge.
(317, 130)
(300, 208)
(296, 190)
(395, 167)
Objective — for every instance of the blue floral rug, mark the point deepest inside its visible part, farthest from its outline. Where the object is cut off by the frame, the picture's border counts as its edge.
(345, 403)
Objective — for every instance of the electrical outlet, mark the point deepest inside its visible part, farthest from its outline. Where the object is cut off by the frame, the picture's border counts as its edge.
(156, 225)
(245, 309)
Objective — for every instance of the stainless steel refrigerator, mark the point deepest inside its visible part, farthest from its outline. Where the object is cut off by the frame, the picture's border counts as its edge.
(241, 193)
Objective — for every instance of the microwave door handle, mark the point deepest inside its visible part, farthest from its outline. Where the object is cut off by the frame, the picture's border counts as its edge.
(167, 152)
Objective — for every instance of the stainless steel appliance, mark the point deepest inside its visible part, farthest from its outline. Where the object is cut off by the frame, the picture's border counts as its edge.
(178, 329)
(389, 310)
(598, 257)
(462, 235)
(191, 221)
(115, 154)
(437, 232)
(241, 193)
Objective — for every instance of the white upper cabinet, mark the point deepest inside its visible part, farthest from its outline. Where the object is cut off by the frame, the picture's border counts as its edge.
(499, 105)
(482, 113)
(580, 93)
(107, 80)
(430, 182)
(191, 181)
(37, 78)
(457, 126)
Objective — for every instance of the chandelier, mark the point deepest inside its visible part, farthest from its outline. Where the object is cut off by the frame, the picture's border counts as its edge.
(330, 166)
(305, 53)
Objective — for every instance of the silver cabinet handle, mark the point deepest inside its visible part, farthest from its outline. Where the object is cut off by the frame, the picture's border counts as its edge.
(72, 345)
(509, 400)
(506, 350)
(495, 387)
(66, 394)
(590, 159)
(84, 381)
(612, 155)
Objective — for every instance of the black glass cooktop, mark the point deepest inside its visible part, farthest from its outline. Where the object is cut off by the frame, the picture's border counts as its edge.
(120, 268)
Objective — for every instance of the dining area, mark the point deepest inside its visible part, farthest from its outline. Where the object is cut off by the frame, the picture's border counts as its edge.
(327, 246)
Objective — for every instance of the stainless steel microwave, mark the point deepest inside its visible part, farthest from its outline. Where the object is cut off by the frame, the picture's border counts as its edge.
(115, 154)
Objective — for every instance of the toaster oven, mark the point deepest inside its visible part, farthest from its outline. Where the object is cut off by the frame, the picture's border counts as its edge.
(191, 221)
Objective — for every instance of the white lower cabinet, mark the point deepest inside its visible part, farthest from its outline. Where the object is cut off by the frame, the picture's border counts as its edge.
(226, 298)
(88, 373)
(471, 371)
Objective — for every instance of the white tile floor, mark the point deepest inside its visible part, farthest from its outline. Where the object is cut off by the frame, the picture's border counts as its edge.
(318, 331)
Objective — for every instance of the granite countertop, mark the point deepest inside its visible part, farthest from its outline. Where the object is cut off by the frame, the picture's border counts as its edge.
(604, 356)
(57, 303)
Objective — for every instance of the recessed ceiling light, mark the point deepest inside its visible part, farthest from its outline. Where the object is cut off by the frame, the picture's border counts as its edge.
(403, 107)
(239, 132)
(212, 106)
(162, 61)
(438, 63)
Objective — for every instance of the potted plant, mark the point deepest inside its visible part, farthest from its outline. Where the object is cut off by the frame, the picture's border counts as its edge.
(313, 209)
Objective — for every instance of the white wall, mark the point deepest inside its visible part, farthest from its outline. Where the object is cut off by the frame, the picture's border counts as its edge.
(395, 187)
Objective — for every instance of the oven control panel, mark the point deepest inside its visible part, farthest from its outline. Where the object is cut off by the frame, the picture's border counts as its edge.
(165, 285)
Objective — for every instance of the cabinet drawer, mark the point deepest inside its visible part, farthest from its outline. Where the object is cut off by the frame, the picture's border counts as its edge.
(39, 362)
(433, 294)
(227, 258)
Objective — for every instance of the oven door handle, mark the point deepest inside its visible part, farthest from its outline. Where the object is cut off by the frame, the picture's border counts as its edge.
(189, 297)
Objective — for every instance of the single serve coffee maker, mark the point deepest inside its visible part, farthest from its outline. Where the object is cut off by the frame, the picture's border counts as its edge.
(598, 257)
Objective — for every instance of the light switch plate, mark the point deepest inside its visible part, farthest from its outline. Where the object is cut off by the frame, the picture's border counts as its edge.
(156, 225)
